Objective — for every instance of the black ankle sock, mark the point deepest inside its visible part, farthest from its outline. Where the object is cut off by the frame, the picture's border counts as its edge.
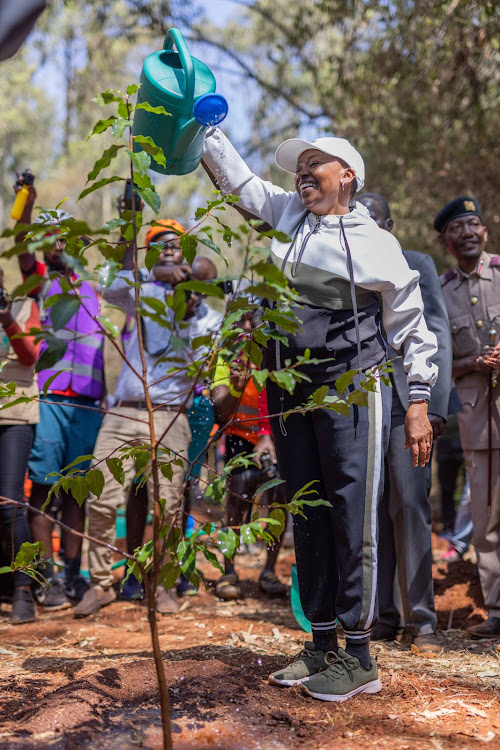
(361, 651)
(72, 567)
(326, 641)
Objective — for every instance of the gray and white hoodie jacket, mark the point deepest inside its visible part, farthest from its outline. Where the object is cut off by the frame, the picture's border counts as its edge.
(322, 278)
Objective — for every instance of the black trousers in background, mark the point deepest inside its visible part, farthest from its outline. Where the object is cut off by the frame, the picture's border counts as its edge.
(15, 447)
(405, 537)
(336, 547)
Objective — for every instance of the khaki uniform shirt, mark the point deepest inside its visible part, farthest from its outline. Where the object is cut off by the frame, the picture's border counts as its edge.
(473, 304)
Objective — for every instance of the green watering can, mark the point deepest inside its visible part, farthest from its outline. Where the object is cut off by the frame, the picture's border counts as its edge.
(175, 81)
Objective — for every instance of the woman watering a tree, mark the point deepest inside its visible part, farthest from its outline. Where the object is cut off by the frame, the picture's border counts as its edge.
(352, 279)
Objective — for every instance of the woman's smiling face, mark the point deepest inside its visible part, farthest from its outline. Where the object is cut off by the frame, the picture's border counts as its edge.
(318, 181)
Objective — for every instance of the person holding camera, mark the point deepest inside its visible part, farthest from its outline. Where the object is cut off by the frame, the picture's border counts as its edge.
(238, 405)
(17, 428)
(69, 413)
(170, 393)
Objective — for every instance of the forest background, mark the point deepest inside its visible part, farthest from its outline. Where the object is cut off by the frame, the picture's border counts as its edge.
(414, 85)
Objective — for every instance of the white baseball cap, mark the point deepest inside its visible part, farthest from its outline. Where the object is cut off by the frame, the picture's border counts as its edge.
(289, 151)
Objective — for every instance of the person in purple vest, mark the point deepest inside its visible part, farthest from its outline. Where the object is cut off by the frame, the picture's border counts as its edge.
(69, 414)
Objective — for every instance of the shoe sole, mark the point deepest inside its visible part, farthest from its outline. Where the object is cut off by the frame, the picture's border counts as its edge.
(57, 608)
(93, 611)
(374, 686)
(287, 683)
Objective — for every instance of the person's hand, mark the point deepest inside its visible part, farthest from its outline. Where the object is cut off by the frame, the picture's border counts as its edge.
(239, 376)
(491, 358)
(30, 200)
(121, 204)
(482, 364)
(171, 273)
(418, 433)
(265, 444)
(6, 318)
(437, 424)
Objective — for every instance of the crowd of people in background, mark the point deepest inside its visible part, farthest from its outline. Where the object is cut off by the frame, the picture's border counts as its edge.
(75, 416)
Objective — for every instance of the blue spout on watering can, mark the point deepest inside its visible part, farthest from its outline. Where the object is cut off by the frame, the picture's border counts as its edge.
(175, 80)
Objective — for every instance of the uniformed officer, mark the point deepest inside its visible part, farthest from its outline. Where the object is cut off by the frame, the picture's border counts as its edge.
(472, 295)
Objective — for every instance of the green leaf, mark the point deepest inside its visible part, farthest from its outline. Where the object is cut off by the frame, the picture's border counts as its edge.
(107, 97)
(104, 161)
(49, 382)
(360, 398)
(149, 146)
(202, 287)
(255, 354)
(132, 89)
(283, 379)
(169, 574)
(146, 106)
(102, 125)
(115, 465)
(211, 558)
(247, 534)
(189, 244)
(320, 394)
(56, 348)
(95, 479)
(119, 127)
(98, 185)
(141, 161)
(110, 327)
(80, 489)
(268, 486)
(259, 378)
(277, 235)
(29, 552)
(152, 256)
(62, 312)
(344, 381)
(150, 197)
(32, 282)
(167, 471)
(107, 273)
(227, 542)
(278, 515)
(123, 110)
(77, 461)
(270, 272)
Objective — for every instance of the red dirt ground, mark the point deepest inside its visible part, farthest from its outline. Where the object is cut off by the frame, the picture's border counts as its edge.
(71, 684)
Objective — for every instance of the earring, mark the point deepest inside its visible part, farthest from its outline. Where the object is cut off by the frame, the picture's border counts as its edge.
(342, 184)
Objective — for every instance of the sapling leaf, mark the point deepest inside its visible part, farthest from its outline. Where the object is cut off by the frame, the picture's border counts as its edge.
(189, 244)
(149, 146)
(152, 256)
(102, 125)
(141, 161)
(268, 486)
(115, 465)
(150, 197)
(107, 97)
(63, 310)
(344, 381)
(95, 479)
(56, 348)
(80, 489)
(149, 108)
(119, 127)
(98, 185)
(32, 282)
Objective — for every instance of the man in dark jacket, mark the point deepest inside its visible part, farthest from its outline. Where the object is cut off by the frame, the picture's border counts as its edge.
(405, 512)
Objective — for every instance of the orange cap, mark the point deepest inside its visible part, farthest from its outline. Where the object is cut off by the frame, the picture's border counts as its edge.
(166, 224)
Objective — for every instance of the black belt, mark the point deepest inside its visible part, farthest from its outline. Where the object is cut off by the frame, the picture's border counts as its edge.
(156, 407)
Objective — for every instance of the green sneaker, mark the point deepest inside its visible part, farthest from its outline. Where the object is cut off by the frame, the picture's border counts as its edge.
(343, 678)
(310, 661)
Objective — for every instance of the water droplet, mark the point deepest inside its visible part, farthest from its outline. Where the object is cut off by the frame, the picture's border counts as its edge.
(259, 662)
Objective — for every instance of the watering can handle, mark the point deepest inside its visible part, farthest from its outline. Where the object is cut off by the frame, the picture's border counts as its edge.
(174, 36)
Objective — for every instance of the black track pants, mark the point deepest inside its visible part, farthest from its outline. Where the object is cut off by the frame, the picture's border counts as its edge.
(336, 548)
